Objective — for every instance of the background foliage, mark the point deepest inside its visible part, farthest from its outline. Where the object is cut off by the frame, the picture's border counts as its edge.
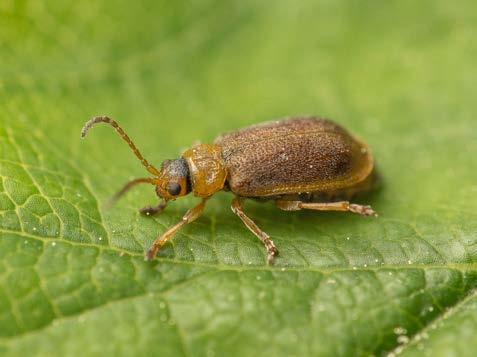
(400, 74)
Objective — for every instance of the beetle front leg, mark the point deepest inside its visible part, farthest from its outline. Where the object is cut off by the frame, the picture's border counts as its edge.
(343, 206)
(152, 210)
(272, 251)
(190, 216)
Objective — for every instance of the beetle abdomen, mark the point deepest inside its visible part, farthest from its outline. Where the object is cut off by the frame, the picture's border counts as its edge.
(293, 156)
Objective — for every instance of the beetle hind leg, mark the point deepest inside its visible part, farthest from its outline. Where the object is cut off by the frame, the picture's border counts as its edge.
(272, 250)
(343, 206)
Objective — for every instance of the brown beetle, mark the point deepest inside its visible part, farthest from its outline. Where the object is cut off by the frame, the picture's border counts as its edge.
(300, 163)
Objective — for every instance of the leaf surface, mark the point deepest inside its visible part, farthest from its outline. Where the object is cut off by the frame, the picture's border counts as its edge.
(400, 75)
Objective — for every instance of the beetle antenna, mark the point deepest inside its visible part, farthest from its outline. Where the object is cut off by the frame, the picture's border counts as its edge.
(127, 187)
(124, 136)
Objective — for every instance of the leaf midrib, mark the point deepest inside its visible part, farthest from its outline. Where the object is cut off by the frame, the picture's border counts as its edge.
(468, 267)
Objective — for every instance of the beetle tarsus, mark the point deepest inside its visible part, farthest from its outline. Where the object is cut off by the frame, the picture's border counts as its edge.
(272, 252)
(152, 210)
(150, 255)
(362, 210)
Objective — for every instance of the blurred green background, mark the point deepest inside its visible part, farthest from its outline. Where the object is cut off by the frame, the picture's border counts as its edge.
(399, 74)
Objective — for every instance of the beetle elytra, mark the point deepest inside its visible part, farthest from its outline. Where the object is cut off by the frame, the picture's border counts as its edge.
(299, 163)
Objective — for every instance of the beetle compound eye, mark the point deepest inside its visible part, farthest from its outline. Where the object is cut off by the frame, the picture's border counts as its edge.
(173, 188)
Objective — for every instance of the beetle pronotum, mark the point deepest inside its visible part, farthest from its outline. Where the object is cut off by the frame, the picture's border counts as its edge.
(299, 163)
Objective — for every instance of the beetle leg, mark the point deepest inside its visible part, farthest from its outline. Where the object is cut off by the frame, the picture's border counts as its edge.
(190, 216)
(272, 251)
(343, 206)
(152, 210)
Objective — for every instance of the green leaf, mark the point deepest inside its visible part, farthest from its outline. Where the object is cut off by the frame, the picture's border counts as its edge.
(399, 74)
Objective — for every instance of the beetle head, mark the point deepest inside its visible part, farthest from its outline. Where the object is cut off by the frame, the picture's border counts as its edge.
(173, 180)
